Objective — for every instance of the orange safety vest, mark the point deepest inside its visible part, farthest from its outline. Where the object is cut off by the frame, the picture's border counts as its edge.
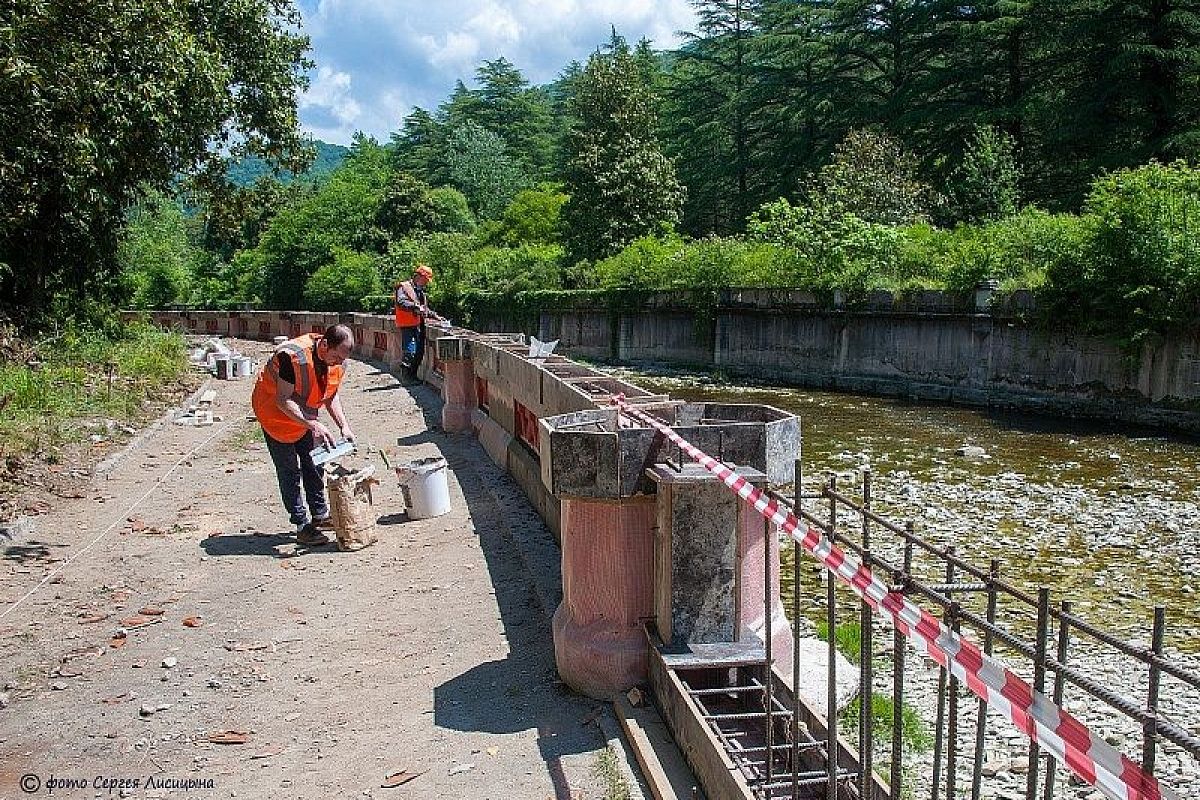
(404, 317)
(308, 393)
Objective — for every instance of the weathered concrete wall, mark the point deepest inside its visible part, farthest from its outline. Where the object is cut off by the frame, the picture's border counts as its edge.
(939, 346)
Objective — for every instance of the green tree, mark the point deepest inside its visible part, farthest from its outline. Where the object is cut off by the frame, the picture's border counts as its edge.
(304, 236)
(1120, 89)
(342, 284)
(419, 147)
(406, 208)
(712, 122)
(988, 178)
(533, 217)
(103, 98)
(156, 255)
(234, 217)
(518, 113)
(452, 211)
(620, 184)
(482, 169)
(874, 178)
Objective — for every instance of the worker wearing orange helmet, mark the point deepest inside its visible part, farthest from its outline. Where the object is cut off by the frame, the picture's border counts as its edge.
(412, 309)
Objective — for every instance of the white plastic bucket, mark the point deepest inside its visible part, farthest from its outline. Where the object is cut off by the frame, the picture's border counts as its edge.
(426, 490)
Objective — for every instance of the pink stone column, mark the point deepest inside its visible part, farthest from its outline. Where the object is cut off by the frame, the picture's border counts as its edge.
(607, 572)
(751, 615)
(458, 392)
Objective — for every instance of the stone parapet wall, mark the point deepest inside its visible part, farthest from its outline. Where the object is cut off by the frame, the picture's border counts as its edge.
(551, 424)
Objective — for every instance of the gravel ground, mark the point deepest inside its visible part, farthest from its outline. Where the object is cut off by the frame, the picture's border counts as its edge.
(194, 618)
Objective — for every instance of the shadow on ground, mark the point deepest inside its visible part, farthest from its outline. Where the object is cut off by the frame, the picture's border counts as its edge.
(520, 692)
(251, 544)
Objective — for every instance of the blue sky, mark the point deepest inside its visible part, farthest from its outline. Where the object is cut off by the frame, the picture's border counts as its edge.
(376, 59)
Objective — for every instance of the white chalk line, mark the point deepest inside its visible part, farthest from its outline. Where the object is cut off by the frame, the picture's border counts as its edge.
(124, 515)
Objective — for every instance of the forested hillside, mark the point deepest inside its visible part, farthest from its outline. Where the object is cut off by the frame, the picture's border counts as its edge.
(843, 144)
(326, 158)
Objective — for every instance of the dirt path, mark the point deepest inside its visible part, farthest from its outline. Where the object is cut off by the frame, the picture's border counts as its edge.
(427, 652)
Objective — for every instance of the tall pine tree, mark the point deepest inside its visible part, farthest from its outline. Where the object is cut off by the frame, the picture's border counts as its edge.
(620, 184)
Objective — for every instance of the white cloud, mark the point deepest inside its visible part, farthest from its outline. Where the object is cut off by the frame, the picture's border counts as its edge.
(372, 53)
(331, 91)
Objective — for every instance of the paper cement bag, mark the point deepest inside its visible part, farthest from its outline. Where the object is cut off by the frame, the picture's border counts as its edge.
(350, 501)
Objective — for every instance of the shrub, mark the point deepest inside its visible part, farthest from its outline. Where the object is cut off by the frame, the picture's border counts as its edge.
(341, 285)
(833, 248)
(517, 269)
(451, 209)
(533, 217)
(1143, 268)
(1018, 251)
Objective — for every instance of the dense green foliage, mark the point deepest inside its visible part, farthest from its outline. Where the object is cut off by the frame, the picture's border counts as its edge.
(619, 183)
(103, 99)
(827, 146)
(1139, 274)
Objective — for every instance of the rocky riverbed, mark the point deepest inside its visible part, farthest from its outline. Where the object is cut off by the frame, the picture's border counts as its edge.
(1105, 517)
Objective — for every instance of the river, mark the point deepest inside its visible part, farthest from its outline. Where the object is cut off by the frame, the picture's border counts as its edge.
(1105, 516)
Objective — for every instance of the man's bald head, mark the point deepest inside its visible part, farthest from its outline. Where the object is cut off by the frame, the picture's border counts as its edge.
(338, 335)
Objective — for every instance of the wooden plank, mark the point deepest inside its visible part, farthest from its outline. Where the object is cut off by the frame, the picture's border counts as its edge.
(662, 764)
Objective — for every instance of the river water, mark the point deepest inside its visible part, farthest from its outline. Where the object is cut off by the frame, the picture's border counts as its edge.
(1106, 516)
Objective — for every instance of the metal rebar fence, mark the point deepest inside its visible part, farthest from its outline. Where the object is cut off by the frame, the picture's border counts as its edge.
(1039, 640)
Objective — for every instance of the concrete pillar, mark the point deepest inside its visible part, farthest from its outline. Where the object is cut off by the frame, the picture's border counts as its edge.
(695, 557)
(607, 557)
(710, 565)
(458, 383)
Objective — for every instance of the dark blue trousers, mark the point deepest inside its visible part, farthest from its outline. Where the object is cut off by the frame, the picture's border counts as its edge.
(294, 466)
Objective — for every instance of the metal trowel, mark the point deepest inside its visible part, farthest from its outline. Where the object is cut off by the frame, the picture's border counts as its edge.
(325, 453)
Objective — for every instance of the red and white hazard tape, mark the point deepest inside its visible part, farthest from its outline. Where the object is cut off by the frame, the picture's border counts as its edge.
(1064, 737)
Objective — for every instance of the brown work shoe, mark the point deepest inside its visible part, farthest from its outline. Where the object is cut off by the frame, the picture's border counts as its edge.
(324, 523)
(311, 537)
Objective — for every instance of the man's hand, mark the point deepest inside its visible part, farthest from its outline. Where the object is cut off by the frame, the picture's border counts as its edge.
(320, 433)
(347, 434)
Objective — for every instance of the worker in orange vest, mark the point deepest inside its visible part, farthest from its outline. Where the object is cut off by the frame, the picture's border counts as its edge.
(302, 376)
(412, 309)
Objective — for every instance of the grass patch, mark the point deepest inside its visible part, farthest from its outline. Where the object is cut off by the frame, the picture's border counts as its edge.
(915, 736)
(73, 383)
(914, 733)
(248, 434)
(847, 637)
(606, 770)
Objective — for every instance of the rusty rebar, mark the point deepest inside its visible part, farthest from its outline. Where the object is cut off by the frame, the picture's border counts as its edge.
(831, 760)
(1039, 684)
(795, 752)
(1150, 726)
(981, 717)
(1064, 639)
(939, 729)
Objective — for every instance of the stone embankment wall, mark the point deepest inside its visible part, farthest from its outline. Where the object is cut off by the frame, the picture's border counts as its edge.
(978, 349)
